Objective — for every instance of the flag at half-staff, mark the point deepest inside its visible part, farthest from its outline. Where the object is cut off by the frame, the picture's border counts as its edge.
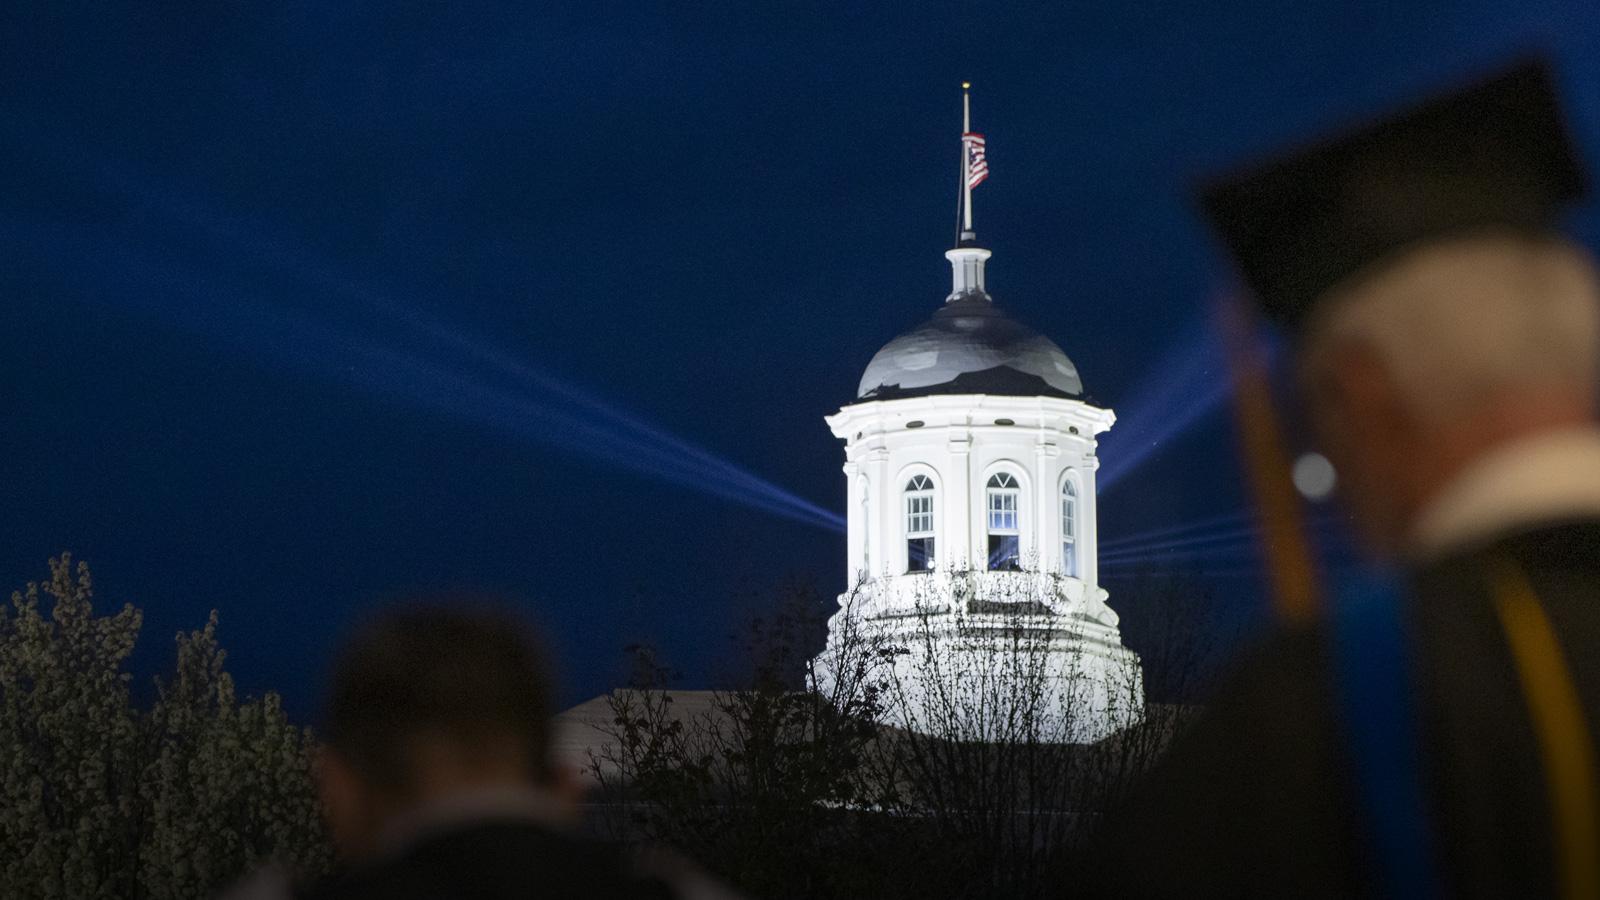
(977, 164)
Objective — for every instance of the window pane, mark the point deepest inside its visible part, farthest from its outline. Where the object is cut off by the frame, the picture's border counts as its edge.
(1069, 558)
(1002, 511)
(1004, 552)
(919, 514)
(919, 554)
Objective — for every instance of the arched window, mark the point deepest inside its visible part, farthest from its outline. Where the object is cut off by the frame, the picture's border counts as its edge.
(919, 524)
(1005, 538)
(1069, 529)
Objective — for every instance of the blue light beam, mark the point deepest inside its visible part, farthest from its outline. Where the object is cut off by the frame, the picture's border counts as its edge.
(1239, 536)
(1189, 384)
(293, 340)
(1226, 520)
(1243, 535)
(695, 466)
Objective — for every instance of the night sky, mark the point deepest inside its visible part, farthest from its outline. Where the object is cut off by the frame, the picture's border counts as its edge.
(310, 305)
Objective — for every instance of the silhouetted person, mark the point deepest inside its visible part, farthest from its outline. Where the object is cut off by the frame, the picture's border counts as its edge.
(1438, 737)
(437, 778)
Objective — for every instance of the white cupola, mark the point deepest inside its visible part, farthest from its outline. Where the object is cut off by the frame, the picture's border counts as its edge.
(970, 460)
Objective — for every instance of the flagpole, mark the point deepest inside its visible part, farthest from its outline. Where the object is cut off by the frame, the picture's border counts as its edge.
(966, 156)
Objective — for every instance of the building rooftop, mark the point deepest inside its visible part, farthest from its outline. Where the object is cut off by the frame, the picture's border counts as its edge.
(970, 346)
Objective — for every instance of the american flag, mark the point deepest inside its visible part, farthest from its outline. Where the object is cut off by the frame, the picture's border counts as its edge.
(977, 166)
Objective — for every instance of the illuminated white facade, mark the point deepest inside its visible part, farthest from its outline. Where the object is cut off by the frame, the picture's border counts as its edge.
(970, 464)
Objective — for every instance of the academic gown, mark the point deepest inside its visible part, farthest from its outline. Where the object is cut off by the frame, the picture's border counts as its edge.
(1260, 797)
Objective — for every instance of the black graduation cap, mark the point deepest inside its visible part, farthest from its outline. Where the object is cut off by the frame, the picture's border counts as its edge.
(1494, 155)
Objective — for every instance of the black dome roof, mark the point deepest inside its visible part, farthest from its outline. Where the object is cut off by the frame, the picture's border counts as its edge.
(970, 346)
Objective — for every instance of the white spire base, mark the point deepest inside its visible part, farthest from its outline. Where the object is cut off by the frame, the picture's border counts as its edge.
(966, 271)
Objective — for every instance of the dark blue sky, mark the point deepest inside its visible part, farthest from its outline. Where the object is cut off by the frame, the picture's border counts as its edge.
(224, 223)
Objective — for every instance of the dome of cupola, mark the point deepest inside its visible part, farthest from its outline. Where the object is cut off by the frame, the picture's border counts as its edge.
(970, 346)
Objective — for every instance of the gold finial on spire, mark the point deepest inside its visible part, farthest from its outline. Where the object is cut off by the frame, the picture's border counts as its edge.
(966, 85)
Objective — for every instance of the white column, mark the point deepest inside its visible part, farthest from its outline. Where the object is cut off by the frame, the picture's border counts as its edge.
(854, 533)
(1046, 505)
(886, 557)
(958, 514)
(1089, 503)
